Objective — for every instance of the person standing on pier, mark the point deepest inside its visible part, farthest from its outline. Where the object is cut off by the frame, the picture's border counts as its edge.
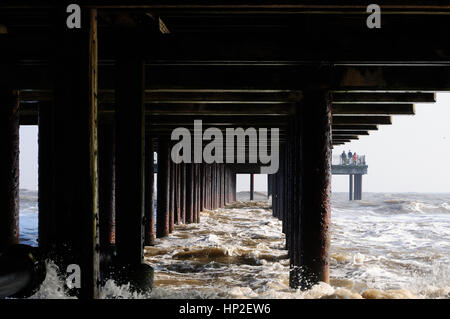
(349, 156)
(343, 158)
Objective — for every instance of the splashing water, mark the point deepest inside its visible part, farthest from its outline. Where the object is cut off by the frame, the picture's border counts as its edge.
(387, 246)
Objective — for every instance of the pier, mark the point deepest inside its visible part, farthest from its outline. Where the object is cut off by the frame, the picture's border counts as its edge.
(109, 94)
(355, 169)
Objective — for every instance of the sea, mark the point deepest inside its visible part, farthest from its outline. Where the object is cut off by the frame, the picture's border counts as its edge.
(388, 245)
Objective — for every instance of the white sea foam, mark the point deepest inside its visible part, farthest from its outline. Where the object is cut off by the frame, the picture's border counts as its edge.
(387, 246)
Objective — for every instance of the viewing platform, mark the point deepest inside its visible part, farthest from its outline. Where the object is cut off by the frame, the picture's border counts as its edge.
(355, 169)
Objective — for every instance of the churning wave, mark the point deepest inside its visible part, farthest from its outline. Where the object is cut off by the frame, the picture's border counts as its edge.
(386, 246)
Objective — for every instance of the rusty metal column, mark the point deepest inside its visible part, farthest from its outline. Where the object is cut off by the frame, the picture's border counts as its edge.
(315, 211)
(9, 171)
(149, 210)
(269, 185)
(296, 200)
(252, 186)
(162, 193)
(213, 186)
(350, 183)
(183, 193)
(177, 194)
(224, 184)
(73, 229)
(189, 193)
(227, 184)
(46, 165)
(194, 193)
(199, 199)
(234, 178)
(358, 187)
(130, 160)
(107, 184)
(275, 195)
(171, 196)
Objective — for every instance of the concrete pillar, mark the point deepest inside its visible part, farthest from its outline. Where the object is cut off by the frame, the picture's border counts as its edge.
(9, 170)
(163, 181)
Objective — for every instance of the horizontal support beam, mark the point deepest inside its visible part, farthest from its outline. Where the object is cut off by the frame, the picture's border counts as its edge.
(345, 137)
(354, 127)
(384, 120)
(373, 109)
(341, 140)
(187, 96)
(349, 132)
(340, 78)
(368, 97)
(223, 109)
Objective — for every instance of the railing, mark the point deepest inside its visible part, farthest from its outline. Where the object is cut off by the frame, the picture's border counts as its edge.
(358, 160)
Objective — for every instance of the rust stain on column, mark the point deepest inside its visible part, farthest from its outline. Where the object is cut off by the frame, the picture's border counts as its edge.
(107, 182)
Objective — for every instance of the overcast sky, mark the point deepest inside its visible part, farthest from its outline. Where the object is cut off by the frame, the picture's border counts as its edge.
(411, 155)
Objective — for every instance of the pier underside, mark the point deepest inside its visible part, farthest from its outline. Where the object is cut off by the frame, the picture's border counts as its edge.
(107, 95)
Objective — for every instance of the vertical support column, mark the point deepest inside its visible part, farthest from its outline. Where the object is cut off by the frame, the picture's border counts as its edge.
(315, 177)
(295, 201)
(46, 165)
(234, 186)
(177, 194)
(350, 184)
(163, 179)
(358, 187)
(223, 185)
(149, 210)
(214, 186)
(194, 193)
(9, 170)
(281, 202)
(275, 195)
(107, 184)
(70, 225)
(130, 159)
(252, 186)
(172, 196)
(189, 193)
(269, 185)
(198, 187)
(183, 193)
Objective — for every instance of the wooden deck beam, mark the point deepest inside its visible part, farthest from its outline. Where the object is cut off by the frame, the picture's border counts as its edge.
(389, 98)
(373, 109)
(383, 120)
